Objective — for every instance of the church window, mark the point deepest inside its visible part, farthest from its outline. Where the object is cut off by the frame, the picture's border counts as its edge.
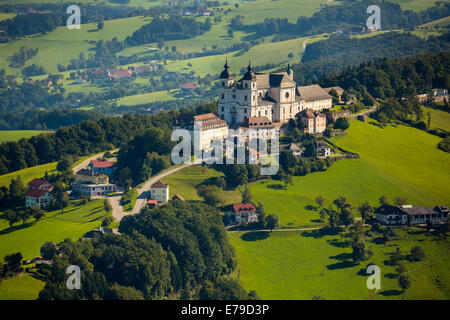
(234, 96)
(287, 94)
(253, 85)
(246, 85)
(245, 98)
(223, 96)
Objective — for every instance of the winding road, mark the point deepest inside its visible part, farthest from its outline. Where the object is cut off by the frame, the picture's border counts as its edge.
(117, 210)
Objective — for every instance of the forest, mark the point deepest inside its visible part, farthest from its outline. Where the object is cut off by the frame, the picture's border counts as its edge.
(178, 251)
(332, 55)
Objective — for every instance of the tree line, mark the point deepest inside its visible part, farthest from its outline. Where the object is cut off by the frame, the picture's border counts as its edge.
(343, 17)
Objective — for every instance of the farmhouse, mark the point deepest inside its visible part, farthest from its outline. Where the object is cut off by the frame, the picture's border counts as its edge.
(38, 197)
(159, 191)
(204, 128)
(187, 88)
(102, 166)
(122, 74)
(313, 121)
(243, 213)
(400, 215)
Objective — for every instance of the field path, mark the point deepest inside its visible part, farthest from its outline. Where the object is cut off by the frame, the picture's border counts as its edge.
(141, 200)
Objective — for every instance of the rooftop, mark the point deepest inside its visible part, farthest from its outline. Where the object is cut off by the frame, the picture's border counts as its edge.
(160, 185)
(102, 164)
(313, 92)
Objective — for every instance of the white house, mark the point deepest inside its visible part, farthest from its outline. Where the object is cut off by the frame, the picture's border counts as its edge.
(159, 192)
(323, 150)
(38, 197)
(244, 213)
(296, 150)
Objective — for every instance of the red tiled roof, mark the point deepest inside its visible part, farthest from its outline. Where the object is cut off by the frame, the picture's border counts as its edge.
(152, 202)
(102, 163)
(160, 185)
(244, 207)
(36, 193)
(177, 196)
(37, 182)
(121, 73)
(188, 85)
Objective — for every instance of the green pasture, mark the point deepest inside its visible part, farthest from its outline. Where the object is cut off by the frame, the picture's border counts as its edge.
(439, 119)
(16, 135)
(301, 264)
(22, 287)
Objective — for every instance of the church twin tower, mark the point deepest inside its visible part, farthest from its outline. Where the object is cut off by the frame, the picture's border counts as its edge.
(274, 96)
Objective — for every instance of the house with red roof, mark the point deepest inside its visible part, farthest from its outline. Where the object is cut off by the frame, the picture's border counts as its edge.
(121, 74)
(38, 197)
(40, 184)
(102, 166)
(243, 213)
(177, 197)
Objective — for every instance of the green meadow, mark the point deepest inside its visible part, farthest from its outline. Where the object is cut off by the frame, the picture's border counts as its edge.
(415, 5)
(146, 98)
(28, 174)
(301, 264)
(397, 161)
(73, 223)
(63, 44)
(23, 287)
(15, 135)
(439, 119)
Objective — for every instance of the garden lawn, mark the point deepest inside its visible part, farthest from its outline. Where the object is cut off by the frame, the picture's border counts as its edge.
(129, 199)
(302, 264)
(396, 161)
(73, 223)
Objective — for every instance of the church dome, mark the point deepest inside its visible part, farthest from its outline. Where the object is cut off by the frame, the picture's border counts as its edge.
(226, 73)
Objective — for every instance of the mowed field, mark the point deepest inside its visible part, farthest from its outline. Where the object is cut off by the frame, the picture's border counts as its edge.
(73, 223)
(302, 264)
(24, 287)
(395, 161)
(439, 119)
(15, 135)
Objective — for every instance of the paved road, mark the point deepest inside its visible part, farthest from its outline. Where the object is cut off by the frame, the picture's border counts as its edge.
(141, 200)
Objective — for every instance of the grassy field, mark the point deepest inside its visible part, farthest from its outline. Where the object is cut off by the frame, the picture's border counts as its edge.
(439, 119)
(146, 98)
(24, 287)
(387, 166)
(415, 5)
(63, 44)
(301, 264)
(444, 23)
(28, 174)
(74, 223)
(184, 182)
(259, 55)
(15, 135)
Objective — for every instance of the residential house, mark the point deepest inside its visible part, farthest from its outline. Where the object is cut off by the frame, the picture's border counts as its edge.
(102, 166)
(91, 177)
(404, 214)
(40, 184)
(38, 197)
(322, 149)
(122, 74)
(152, 204)
(92, 189)
(159, 191)
(187, 88)
(296, 150)
(314, 122)
(243, 213)
(142, 69)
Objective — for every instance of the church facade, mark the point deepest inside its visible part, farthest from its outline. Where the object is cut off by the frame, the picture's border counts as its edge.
(272, 95)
